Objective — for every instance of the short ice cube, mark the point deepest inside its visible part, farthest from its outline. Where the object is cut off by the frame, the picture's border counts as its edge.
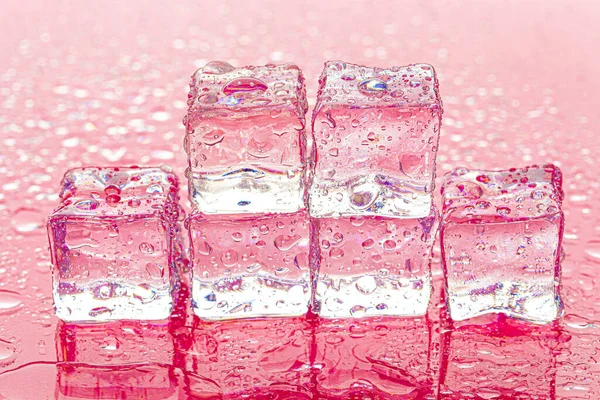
(114, 241)
(250, 265)
(245, 138)
(373, 266)
(501, 242)
(375, 135)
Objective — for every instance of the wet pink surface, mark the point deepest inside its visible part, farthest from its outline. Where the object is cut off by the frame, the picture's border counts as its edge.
(106, 83)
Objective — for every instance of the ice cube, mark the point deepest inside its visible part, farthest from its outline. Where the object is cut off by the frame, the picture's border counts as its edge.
(376, 134)
(501, 242)
(245, 138)
(369, 266)
(114, 243)
(250, 265)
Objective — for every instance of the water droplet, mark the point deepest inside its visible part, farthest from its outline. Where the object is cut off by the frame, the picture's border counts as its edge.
(415, 83)
(334, 152)
(9, 301)
(348, 77)
(367, 244)
(538, 194)
(113, 200)
(229, 257)
(155, 188)
(213, 137)
(259, 149)
(336, 253)
(371, 136)
(26, 220)
(520, 249)
(469, 190)
(237, 236)
(112, 189)
(134, 203)
(366, 284)
(155, 270)
(483, 178)
(358, 311)
(502, 210)
(244, 85)
(389, 245)
(286, 242)
(146, 247)
(7, 353)
(100, 312)
(372, 86)
(281, 271)
(217, 68)
(87, 205)
(203, 248)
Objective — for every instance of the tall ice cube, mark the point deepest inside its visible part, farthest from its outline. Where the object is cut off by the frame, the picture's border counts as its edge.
(115, 241)
(375, 135)
(245, 139)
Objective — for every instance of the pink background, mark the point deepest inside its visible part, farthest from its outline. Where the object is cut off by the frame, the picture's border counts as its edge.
(105, 83)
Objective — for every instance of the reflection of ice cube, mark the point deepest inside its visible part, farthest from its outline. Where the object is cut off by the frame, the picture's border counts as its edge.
(253, 358)
(250, 266)
(501, 241)
(373, 265)
(124, 359)
(374, 358)
(500, 358)
(375, 135)
(245, 140)
(114, 241)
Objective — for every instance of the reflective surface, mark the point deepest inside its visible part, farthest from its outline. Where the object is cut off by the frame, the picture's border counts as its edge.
(92, 83)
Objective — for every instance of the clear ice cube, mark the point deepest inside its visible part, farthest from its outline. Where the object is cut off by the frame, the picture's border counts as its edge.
(375, 135)
(250, 265)
(245, 138)
(370, 266)
(114, 243)
(501, 242)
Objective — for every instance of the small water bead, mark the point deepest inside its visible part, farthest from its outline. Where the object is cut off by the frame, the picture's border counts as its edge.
(113, 200)
(217, 68)
(87, 205)
(520, 249)
(502, 210)
(389, 245)
(469, 190)
(146, 247)
(336, 253)
(538, 194)
(237, 236)
(415, 84)
(134, 203)
(372, 86)
(155, 188)
(366, 284)
(367, 244)
(244, 85)
(348, 77)
(214, 137)
(287, 242)
(483, 178)
(358, 311)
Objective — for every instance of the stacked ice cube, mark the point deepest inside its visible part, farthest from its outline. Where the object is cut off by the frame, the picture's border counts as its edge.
(374, 223)
(249, 230)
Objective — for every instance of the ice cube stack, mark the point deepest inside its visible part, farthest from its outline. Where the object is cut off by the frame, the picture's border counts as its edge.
(374, 223)
(249, 230)
(344, 222)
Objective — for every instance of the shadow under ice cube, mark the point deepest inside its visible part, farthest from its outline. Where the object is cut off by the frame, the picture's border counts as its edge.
(375, 135)
(501, 242)
(114, 244)
(250, 265)
(245, 138)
